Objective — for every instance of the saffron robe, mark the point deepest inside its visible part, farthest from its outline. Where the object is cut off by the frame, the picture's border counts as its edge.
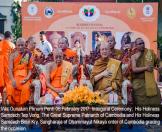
(20, 95)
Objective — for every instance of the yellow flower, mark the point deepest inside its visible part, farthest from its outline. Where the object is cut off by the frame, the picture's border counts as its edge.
(82, 94)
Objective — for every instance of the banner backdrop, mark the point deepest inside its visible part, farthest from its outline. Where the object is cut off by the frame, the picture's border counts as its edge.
(87, 22)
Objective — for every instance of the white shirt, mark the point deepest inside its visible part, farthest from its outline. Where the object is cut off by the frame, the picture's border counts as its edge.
(45, 47)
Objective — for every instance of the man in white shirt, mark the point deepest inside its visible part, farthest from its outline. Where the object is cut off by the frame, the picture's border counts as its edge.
(44, 46)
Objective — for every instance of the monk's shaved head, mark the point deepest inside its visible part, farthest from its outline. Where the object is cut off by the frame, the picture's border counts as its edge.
(32, 39)
(104, 49)
(111, 41)
(31, 43)
(140, 44)
(58, 55)
(138, 40)
(57, 51)
(63, 43)
(20, 45)
(104, 44)
(7, 34)
(111, 37)
(20, 40)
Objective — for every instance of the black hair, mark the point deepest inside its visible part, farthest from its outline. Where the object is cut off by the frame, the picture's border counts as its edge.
(126, 37)
(76, 41)
(42, 33)
(7, 34)
(138, 39)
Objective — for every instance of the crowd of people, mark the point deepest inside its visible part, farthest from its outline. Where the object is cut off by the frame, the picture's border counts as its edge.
(36, 73)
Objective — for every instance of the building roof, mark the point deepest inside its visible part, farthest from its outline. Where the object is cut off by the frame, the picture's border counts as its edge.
(2, 17)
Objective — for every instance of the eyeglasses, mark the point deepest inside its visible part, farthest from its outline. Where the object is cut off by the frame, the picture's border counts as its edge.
(140, 43)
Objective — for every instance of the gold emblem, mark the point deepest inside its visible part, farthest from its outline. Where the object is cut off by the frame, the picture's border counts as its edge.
(131, 13)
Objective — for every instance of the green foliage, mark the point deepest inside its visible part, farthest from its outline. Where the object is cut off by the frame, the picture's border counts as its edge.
(17, 24)
(159, 41)
(151, 0)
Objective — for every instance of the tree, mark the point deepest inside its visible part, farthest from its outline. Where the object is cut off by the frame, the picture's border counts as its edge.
(17, 24)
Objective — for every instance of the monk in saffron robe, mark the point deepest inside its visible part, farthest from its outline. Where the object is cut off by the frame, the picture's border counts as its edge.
(106, 76)
(115, 53)
(6, 47)
(68, 54)
(58, 78)
(20, 65)
(145, 88)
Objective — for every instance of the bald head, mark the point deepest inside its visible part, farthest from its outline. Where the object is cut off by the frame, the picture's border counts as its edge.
(111, 37)
(20, 40)
(31, 43)
(54, 38)
(140, 44)
(104, 48)
(58, 51)
(58, 55)
(20, 45)
(103, 45)
(32, 39)
(111, 41)
(138, 40)
(63, 43)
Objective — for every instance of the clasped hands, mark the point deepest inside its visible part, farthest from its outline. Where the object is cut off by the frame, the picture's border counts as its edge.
(149, 68)
(106, 73)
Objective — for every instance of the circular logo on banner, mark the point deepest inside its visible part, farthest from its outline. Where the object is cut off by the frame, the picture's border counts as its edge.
(131, 13)
(49, 12)
(147, 10)
(32, 9)
(89, 13)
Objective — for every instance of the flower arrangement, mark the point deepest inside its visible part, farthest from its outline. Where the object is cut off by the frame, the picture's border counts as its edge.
(82, 96)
